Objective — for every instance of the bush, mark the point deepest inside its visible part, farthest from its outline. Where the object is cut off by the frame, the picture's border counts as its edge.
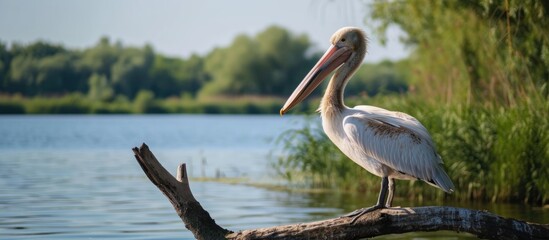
(11, 107)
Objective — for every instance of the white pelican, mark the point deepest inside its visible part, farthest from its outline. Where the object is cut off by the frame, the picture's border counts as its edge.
(391, 145)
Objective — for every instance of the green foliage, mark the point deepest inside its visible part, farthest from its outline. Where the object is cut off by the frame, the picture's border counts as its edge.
(129, 72)
(38, 49)
(143, 103)
(173, 75)
(11, 107)
(382, 78)
(99, 88)
(52, 74)
(309, 159)
(284, 60)
(269, 64)
(120, 104)
(71, 103)
(266, 64)
(490, 154)
(232, 69)
(487, 52)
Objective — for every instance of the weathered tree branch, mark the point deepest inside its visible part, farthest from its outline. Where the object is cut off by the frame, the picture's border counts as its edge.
(177, 190)
(387, 221)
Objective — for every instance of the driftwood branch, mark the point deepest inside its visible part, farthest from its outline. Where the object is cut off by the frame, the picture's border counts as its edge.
(387, 221)
(177, 190)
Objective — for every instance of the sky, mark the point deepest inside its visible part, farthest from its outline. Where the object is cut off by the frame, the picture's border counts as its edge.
(182, 28)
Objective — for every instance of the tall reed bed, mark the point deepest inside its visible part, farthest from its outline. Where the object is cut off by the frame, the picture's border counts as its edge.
(491, 153)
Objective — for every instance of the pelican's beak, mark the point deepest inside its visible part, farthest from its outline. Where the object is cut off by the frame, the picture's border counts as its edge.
(330, 61)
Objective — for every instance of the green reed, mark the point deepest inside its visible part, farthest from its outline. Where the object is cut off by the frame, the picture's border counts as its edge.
(491, 153)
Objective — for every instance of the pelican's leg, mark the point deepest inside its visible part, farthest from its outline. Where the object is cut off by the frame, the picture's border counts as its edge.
(380, 202)
(391, 193)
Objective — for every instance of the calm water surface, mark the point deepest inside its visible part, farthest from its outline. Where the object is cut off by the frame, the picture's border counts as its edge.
(74, 177)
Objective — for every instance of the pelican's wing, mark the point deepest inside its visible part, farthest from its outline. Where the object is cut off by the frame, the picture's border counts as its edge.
(397, 119)
(399, 141)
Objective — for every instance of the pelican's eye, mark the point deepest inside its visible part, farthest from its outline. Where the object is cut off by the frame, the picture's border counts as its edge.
(343, 40)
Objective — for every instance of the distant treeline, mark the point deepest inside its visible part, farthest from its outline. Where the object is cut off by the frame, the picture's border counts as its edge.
(269, 64)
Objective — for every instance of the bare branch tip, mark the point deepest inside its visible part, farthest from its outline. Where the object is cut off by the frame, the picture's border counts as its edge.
(182, 173)
(144, 146)
(135, 150)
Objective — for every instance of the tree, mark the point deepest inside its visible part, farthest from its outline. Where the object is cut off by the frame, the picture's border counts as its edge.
(129, 72)
(22, 77)
(99, 88)
(100, 58)
(143, 101)
(5, 59)
(488, 52)
(265, 64)
(192, 75)
(173, 76)
(232, 69)
(38, 49)
(163, 76)
(284, 60)
(57, 74)
(382, 78)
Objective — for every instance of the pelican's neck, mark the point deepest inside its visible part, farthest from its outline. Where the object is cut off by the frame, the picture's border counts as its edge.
(332, 106)
(332, 101)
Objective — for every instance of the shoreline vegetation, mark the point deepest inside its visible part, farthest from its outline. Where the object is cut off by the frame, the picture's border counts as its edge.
(491, 154)
(144, 103)
(252, 75)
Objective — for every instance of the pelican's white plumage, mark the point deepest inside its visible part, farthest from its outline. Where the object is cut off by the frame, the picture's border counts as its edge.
(391, 145)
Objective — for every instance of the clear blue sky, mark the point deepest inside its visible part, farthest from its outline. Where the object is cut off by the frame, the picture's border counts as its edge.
(180, 28)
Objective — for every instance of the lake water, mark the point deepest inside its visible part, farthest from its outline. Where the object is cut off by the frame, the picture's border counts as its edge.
(75, 177)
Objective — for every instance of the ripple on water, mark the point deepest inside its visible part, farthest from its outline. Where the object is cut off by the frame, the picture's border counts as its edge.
(76, 195)
(74, 177)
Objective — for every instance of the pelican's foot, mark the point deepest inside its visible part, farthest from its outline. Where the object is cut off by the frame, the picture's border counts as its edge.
(359, 212)
(363, 211)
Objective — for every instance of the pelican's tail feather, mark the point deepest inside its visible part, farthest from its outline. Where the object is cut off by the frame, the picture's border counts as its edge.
(442, 180)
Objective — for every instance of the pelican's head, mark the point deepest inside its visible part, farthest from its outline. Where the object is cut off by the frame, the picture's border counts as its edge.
(348, 49)
(350, 37)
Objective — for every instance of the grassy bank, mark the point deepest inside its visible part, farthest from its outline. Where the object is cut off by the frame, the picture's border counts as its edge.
(491, 153)
(144, 103)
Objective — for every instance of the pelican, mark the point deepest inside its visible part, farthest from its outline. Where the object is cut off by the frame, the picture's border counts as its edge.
(388, 144)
